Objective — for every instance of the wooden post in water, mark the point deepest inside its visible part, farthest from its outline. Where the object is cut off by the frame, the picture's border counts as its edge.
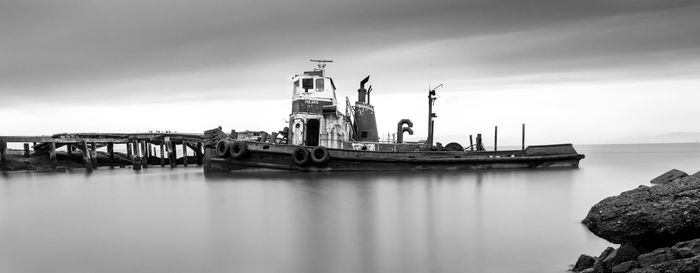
(86, 156)
(136, 164)
(162, 155)
(200, 160)
(173, 154)
(523, 143)
(184, 153)
(495, 139)
(129, 153)
(110, 150)
(471, 143)
(3, 154)
(93, 155)
(145, 151)
(26, 150)
(52, 152)
(69, 149)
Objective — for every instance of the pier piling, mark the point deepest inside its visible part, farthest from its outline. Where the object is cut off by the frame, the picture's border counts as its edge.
(199, 153)
(162, 156)
(26, 150)
(3, 154)
(86, 156)
(129, 152)
(184, 154)
(145, 151)
(52, 152)
(110, 151)
(136, 163)
(93, 155)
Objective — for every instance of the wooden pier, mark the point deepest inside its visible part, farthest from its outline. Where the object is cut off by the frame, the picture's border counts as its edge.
(140, 148)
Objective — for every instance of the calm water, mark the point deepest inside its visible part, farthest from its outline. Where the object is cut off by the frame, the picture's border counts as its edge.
(163, 220)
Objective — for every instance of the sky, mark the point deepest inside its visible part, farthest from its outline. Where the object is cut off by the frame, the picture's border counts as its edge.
(595, 71)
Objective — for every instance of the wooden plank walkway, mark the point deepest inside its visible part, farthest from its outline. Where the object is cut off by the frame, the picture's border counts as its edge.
(140, 147)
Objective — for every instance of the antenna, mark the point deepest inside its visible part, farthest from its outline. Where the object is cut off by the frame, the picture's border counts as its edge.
(321, 63)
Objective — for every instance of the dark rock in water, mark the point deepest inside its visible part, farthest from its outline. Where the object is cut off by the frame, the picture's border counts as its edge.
(584, 261)
(688, 248)
(658, 256)
(649, 217)
(599, 265)
(625, 267)
(588, 270)
(626, 252)
(669, 176)
(613, 257)
(687, 265)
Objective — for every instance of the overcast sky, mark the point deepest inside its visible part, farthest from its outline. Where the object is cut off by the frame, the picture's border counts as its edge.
(594, 71)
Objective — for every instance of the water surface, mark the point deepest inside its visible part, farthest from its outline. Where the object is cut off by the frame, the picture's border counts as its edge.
(163, 220)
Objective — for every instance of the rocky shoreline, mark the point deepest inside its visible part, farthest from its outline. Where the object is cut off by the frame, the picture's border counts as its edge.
(657, 227)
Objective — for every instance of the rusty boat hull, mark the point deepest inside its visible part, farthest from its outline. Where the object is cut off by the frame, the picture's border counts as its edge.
(262, 156)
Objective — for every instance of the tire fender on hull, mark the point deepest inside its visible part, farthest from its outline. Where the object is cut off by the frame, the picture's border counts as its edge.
(222, 148)
(320, 155)
(239, 149)
(301, 156)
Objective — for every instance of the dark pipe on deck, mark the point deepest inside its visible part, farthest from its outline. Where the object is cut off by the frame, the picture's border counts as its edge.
(400, 129)
(362, 92)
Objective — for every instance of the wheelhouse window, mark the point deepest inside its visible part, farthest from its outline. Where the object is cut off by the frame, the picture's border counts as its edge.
(307, 84)
(319, 85)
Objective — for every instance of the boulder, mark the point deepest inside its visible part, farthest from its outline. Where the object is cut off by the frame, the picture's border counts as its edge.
(658, 256)
(584, 261)
(649, 217)
(625, 252)
(688, 248)
(669, 176)
(600, 265)
(687, 265)
(625, 267)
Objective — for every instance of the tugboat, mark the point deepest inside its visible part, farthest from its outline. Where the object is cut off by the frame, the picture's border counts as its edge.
(320, 138)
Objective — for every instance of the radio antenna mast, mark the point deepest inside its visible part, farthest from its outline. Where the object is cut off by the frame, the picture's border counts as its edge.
(321, 63)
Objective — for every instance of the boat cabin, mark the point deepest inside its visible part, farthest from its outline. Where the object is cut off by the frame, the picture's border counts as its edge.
(315, 119)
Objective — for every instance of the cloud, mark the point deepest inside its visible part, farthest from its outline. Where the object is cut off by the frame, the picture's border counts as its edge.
(73, 51)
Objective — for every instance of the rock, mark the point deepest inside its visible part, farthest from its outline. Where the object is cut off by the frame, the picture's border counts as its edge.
(649, 217)
(584, 261)
(669, 176)
(688, 265)
(688, 248)
(588, 270)
(658, 256)
(625, 267)
(599, 265)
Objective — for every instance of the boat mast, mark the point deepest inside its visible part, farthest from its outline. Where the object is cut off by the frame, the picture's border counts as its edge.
(321, 65)
(431, 124)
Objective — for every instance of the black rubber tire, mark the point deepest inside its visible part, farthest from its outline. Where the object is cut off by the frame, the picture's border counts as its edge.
(239, 149)
(454, 146)
(301, 156)
(320, 155)
(222, 148)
